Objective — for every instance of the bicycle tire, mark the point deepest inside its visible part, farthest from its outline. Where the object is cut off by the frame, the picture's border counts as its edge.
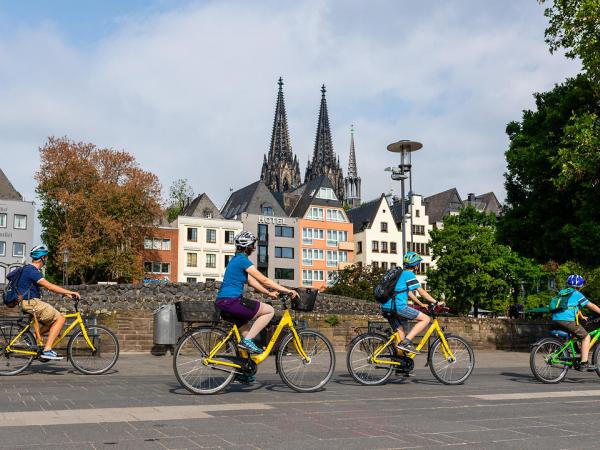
(543, 349)
(290, 364)
(443, 369)
(596, 357)
(191, 349)
(15, 363)
(97, 361)
(358, 357)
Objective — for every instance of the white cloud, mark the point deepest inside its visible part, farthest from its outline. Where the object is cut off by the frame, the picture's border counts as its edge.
(191, 92)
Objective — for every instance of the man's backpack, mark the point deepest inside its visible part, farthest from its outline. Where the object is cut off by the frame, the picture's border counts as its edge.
(11, 295)
(386, 287)
(561, 301)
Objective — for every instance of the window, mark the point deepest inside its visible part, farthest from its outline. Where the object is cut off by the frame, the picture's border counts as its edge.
(316, 213)
(229, 237)
(211, 261)
(343, 256)
(263, 232)
(192, 234)
(419, 229)
(326, 194)
(20, 222)
(166, 244)
(393, 265)
(417, 213)
(284, 252)
(384, 247)
(263, 256)
(210, 279)
(191, 280)
(2, 220)
(332, 258)
(384, 265)
(375, 264)
(375, 246)
(157, 244)
(335, 236)
(227, 259)
(331, 278)
(308, 276)
(157, 267)
(282, 231)
(147, 267)
(393, 247)
(211, 236)
(310, 254)
(2, 248)
(266, 210)
(359, 247)
(18, 249)
(284, 274)
(308, 234)
(264, 271)
(384, 228)
(207, 214)
(335, 215)
(192, 259)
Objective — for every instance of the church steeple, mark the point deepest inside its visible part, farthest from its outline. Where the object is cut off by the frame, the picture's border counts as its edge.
(324, 160)
(352, 181)
(280, 170)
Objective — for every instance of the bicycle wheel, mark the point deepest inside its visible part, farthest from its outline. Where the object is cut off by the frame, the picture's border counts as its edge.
(539, 361)
(302, 375)
(190, 368)
(358, 359)
(93, 361)
(451, 370)
(15, 363)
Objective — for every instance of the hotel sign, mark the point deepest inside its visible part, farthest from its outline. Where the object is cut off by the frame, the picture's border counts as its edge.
(269, 219)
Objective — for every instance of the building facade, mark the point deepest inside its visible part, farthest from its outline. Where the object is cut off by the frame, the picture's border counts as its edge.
(16, 228)
(161, 253)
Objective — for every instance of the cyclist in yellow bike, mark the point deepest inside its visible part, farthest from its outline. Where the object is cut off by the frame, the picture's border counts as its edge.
(240, 271)
(396, 309)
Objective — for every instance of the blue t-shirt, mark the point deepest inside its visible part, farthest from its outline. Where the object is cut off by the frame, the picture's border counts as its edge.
(28, 285)
(235, 277)
(406, 282)
(576, 301)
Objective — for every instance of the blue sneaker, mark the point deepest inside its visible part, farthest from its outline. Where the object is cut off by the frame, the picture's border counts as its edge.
(250, 346)
(245, 379)
(50, 355)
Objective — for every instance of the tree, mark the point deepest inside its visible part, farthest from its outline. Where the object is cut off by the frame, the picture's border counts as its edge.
(552, 188)
(179, 194)
(472, 269)
(575, 26)
(357, 281)
(97, 203)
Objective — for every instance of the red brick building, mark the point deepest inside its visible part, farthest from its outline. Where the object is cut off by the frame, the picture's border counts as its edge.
(160, 253)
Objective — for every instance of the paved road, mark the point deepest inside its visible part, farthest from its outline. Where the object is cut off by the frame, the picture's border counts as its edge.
(141, 405)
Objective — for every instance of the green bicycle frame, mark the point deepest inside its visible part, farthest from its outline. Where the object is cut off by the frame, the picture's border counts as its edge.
(557, 358)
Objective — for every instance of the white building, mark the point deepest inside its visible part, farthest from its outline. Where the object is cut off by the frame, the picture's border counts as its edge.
(205, 241)
(16, 228)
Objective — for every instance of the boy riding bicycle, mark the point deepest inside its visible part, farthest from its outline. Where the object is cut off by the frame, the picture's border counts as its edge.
(396, 309)
(567, 318)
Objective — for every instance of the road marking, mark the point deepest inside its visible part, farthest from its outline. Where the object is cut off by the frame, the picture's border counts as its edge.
(531, 395)
(131, 414)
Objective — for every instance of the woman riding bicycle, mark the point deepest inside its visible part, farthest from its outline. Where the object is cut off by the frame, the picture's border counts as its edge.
(240, 271)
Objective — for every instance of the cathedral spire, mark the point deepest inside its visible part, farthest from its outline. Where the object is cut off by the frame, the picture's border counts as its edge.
(280, 171)
(352, 181)
(352, 171)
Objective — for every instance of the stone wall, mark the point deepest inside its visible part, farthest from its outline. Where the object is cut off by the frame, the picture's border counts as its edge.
(128, 310)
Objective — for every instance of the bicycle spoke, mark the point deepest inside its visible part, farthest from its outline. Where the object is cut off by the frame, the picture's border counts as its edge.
(359, 360)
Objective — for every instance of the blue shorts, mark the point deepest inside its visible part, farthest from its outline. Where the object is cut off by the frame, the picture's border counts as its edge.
(401, 317)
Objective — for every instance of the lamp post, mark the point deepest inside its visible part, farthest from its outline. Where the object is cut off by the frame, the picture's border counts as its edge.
(65, 266)
(401, 173)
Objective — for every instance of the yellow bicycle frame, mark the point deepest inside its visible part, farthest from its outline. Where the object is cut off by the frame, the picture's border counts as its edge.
(78, 321)
(435, 327)
(286, 321)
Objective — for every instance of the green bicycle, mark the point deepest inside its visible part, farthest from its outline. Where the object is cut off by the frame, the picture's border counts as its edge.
(551, 358)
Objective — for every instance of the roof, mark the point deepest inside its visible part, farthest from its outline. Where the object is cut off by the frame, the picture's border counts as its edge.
(251, 199)
(487, 202)
(7, 190)
(202, 206)
(362, 216)
(439, 205)
(306, 195)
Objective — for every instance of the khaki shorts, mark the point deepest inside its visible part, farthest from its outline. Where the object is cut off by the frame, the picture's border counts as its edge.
(44, 312)
(572, 327)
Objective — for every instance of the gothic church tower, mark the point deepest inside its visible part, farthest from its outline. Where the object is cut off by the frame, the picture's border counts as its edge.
(352, 181)
(280, 170)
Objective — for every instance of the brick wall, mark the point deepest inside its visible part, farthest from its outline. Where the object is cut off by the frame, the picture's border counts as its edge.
(128, 310)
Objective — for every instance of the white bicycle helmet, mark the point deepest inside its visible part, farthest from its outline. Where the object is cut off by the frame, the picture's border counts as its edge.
(244, 240)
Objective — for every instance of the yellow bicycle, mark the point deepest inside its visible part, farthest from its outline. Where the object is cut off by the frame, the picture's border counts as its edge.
(207, 358)
(372, 357)
(92, 349)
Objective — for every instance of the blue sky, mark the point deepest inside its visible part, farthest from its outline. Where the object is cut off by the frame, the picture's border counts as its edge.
(189, 87)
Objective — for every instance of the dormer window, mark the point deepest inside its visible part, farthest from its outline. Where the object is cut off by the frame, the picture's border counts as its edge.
(326, 194)
(266, 209)
(207, 213)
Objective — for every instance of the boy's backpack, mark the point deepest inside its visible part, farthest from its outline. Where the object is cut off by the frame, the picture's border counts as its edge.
(11, 295)
(386, 287)
(561, 301)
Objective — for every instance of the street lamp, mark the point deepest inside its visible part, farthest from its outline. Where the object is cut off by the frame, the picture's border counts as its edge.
(401, 173)
(65, 266)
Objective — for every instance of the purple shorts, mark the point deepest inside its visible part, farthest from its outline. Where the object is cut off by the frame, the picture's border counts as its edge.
(238, 310)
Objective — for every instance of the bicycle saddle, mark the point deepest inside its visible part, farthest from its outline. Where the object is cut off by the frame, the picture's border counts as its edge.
(560, 334)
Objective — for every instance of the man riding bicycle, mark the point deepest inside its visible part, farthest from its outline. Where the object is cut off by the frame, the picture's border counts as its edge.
(396, 309)
(28, 285)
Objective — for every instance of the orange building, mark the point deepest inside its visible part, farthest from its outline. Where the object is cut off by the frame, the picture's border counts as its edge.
(160, 253)
(326, 240)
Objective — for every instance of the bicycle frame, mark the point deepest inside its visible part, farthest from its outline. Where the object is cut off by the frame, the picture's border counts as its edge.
(556, 358)
(434, 327)
(286, 321)
(34, 325)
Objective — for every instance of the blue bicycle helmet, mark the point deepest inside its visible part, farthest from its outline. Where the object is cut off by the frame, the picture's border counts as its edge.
(412, 259)
(575, 281)
(38, 252)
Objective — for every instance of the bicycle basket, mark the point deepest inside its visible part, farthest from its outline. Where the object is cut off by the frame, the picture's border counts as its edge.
(306, 301)
(196, 311)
